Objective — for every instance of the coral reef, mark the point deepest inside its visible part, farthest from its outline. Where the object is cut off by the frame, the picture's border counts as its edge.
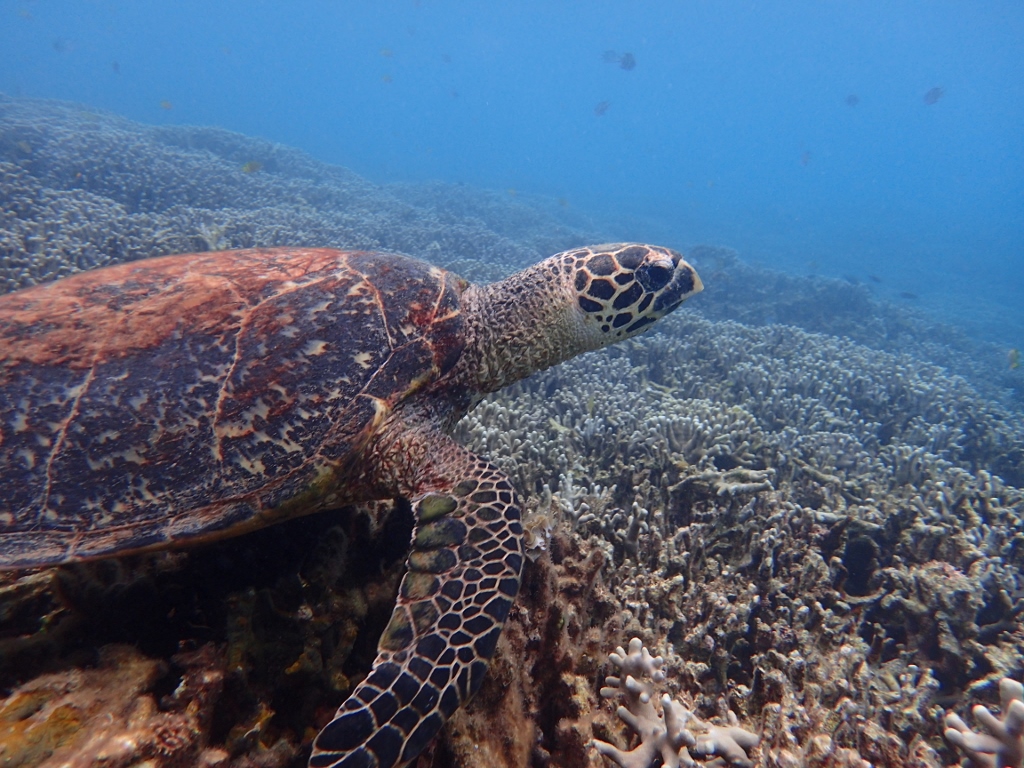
(807, 502)
(83, 188)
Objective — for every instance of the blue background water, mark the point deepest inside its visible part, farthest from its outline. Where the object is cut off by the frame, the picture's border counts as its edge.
(733, 128)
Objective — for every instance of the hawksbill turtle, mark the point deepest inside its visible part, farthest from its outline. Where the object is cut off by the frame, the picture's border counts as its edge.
(186, 398)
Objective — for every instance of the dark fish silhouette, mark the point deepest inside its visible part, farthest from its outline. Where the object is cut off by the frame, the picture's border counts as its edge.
(601, 108)
(626, 61)
(852, 100)
(934, 95)
(907, 295)
(874, 278)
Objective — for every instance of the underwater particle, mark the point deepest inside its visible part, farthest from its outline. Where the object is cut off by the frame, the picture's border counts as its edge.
(386, 79)
(1014, 357)
(907, 295)
(116, 67)
(610, 57)
(852, 100)
(24, 146)
(446, 59)
(874, 278)
(601, 108)
(805, 158)
(165, 104)
(512, 192)
(25, 13)
(563, 202)
(252, 166)
(386, 53)
(934, 95)
(627, 62)
(63, 45)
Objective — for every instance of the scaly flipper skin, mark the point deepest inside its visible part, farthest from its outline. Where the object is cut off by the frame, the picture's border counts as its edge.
(463, 574)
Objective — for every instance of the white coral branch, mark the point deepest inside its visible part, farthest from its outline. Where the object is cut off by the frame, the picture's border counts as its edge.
(671, 732)
(1003, 745)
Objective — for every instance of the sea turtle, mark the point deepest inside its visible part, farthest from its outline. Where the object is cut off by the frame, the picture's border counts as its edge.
(186, 398)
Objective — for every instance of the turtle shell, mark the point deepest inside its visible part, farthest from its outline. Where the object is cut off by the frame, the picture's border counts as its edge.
(195, 396)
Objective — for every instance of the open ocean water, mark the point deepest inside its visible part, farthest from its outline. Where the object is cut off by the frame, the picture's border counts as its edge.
(804, 491)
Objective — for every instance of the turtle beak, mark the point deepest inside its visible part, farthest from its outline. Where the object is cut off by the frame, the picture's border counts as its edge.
(684, 284)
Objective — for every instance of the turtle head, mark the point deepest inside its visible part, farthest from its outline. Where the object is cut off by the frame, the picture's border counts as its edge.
(619, 290)
(570, 303)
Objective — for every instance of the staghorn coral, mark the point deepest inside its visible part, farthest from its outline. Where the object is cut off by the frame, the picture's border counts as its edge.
(1003, 745)
(672, 733)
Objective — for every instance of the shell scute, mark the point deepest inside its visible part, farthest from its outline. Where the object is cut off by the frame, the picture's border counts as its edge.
(180, 397)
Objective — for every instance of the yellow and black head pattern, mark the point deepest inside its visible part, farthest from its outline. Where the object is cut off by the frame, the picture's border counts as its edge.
(623, 288)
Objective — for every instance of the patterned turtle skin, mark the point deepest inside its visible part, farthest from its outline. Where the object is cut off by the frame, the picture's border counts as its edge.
(186, 398)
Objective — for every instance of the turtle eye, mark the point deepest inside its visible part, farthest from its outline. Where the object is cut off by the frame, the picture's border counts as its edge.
(653, 277)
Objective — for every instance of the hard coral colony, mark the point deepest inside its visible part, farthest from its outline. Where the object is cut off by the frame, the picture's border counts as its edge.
(805, 500)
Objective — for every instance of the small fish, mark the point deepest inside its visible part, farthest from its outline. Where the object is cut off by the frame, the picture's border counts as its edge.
(116, 67)
(934, 95)
(852, 100)
(25, 13)
(1014, 359)
(563, 202)
(252, 166)
(386, 53)
(24, 146)
(610, 57)
(874, 278)
(63, 45)
(602, 107)
(805, 158)
(386, 78)
(907, 295)
(627, 61)
(512, 192)
(446, 59)
(165, 104)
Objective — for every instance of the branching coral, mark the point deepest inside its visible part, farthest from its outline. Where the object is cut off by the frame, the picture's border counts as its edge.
(1003, 745)
(674, 732)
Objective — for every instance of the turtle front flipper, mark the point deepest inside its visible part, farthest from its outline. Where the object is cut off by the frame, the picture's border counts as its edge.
(463, 574)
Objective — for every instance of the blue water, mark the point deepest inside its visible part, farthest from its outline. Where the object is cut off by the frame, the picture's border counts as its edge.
(796, 132)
